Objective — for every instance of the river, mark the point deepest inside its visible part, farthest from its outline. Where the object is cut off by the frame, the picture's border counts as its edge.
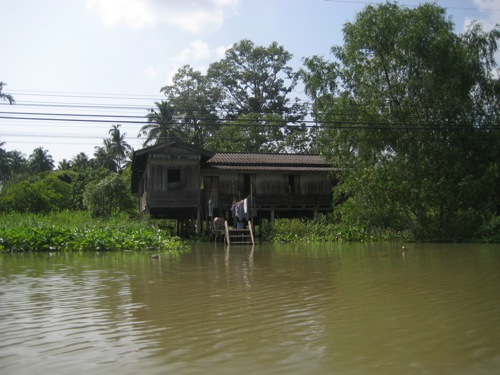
(290, 309)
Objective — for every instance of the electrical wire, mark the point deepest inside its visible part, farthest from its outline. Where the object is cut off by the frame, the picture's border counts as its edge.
(408, 4)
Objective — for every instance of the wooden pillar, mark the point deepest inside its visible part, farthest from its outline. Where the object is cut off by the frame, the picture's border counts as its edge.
(198, 222)
(272, 216)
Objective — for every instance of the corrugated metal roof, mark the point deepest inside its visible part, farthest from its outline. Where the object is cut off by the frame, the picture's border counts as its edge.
(265, 160)
(240, 167)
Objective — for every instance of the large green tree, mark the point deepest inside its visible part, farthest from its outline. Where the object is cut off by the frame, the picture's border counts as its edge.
(257, 83)
(409, 111)
(193, 103)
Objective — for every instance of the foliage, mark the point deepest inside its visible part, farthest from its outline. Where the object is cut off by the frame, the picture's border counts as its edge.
(409, 115)
(4, 96)
(112, 155)
(490, 231)
(41, 194)
(256, 83)
(40, 161)
(249, 133)
(66, 189)
(161, 125)
(78, 232)
(255, 79)
(246, 94)
(326, 229)
(194, 99)
(108, 197)
(118, 148)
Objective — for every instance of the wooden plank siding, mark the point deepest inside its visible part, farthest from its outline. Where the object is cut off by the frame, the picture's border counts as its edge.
(174, 199)
(177, 180)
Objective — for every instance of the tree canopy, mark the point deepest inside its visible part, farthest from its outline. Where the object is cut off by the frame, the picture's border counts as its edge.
(406, 110)
(409, 113)
(246, 94)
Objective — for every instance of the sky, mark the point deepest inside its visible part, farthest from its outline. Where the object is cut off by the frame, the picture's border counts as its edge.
(76, 67)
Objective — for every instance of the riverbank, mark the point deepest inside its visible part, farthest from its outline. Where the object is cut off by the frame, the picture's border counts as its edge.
(77, 231)
(322, 229)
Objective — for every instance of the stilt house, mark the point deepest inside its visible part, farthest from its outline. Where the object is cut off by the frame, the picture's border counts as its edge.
(176, 180)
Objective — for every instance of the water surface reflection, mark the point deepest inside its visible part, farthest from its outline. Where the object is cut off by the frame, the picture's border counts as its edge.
(341, 309)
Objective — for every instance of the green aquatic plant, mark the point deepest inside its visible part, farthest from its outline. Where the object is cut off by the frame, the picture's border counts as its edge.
(325, 229)
(79, 232)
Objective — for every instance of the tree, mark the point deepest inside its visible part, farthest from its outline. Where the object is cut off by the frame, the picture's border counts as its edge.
(4, 164)
(64, 165)
(255, 79)
(40, 195)
(109, 196)
(40, 161)
(80, 161)
(408, 111)
(103, 156)
(115, 150)
(4, 96)
(246, 134)
(195, 101)
(256, 83)
(83, 178)
(161, 125)
(13, 164)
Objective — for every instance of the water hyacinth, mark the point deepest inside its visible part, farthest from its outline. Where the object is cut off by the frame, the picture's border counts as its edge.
(78, 232)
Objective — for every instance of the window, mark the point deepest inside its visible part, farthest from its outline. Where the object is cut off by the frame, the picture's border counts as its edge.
(165, 178)
(292, 185)
(246, 184)
(174, 178)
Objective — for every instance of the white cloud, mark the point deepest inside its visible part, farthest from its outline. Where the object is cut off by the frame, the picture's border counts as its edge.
(197, 50)
(190, 15)
(133, 13)
(198, 54)
(152, 71)
(220, 52)
(491, 11)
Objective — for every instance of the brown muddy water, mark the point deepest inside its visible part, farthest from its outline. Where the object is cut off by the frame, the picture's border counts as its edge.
(308, 309)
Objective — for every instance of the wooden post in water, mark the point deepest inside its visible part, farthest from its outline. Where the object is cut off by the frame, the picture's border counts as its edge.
(228, 239)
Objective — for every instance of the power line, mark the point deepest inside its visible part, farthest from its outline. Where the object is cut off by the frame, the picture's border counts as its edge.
(408, 4)
(72, 120)
(70, 115)
(68, 94)
(146, 108)
(341, 125)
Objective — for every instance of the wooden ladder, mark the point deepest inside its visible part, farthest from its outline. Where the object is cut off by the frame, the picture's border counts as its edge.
(239, 236)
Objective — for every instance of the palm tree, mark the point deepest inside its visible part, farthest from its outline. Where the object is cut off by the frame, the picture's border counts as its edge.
(5, 96)
(80, 161)
(11, 163)
(118, 147)
(103, 157)
(17, 162)
(4, 164)
(40, 161)
(161, 125)
(64, 165)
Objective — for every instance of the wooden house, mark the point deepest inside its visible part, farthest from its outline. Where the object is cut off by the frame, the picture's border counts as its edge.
(176, 180)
